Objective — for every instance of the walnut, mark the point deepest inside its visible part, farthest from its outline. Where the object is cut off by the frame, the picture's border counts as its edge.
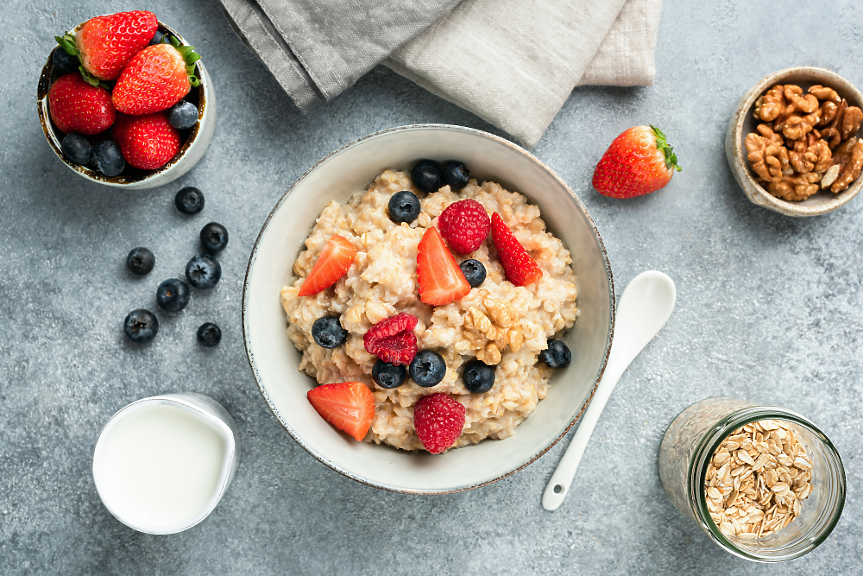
(767, 159)
(771, 105)
(830, 176)
(808, 154)
(800, 115)
(828, 113)
(830, 132)
(515, 338)
(498, 311)
(490, 354)
(795, 188)
(850, 122)
(825, 93)
(849, 167)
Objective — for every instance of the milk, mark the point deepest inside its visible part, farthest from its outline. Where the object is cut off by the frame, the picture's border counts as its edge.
(159, 466)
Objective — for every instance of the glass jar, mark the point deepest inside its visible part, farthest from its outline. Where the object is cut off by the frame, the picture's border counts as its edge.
(685, 454)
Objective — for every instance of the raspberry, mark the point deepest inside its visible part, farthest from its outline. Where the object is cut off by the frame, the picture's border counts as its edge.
(393, 339)
(465, 225)
(438, 420)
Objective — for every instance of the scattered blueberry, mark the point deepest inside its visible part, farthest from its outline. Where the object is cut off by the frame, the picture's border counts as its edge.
(427, 176)
(141, 326)
(141, 260)
(64, 62)
(427, 368)
(203, 271)
(388, 375)
(328, 332)
(77, 148)
(478, 376)
(404, 206)
(172, 295)
(107, 158)
(157, 39)
(557, 355)
(183, 115)
(209, 334)
(456, 175)
(189, 200)
(214, 237)
(474, 272)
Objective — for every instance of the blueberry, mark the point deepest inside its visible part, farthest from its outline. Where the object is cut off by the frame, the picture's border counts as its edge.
(474, 272)
(328, 332)
(214, 237)
(209, 334)
(404, 206)
(77, 148)
(426, 176)
(141, 326)
(64, 62)
(157, 38)
(427, 368)
(478, 376)
(189, 200)
(107, 158)
(172, 295)
(456, 175)
(557, 355)
(203, 271)
(183, 115)
(388, 375)
(141, 260)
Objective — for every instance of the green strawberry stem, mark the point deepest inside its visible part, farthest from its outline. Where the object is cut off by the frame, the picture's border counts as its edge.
(67, 43)
(662, 144)
(190, 56)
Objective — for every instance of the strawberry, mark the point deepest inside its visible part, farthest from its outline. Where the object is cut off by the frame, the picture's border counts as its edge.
(156, 78)
(349, 406)
(638, 162)
(393, 340)
(105, 44)
(76, 106)
(438, 421)
(146, 142)
(333, 262)
(440, 279)
(519, 267)
(465, 225)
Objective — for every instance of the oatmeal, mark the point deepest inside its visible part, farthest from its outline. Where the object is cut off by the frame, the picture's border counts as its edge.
(501, 324)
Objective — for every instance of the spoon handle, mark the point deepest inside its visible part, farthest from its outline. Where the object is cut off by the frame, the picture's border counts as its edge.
(558, 486)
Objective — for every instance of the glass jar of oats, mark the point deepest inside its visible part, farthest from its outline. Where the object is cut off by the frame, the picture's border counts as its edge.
(763, 482)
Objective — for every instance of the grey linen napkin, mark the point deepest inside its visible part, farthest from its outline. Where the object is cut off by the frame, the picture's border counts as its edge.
(511, 62)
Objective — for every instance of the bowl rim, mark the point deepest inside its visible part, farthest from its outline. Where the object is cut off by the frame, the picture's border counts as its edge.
(734, 138)
(51, 135)
(253, 258)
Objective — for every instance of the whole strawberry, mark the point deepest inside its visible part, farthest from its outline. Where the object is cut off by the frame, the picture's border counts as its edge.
(76, 106)
(156, 78)
(146, 142)
(438, 421)
(465, 225)
(104, 44)
(638, 162)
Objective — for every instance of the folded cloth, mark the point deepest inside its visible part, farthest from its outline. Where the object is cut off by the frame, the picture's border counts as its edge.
(511, 62)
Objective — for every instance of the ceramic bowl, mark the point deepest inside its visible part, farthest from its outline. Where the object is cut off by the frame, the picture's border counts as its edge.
(192, 149)
(274, 360)
(743, 123)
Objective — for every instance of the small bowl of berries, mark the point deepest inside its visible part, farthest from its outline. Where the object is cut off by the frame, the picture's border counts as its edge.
(125, 101)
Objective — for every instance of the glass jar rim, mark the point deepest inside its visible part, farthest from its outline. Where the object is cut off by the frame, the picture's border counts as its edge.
(711, 441)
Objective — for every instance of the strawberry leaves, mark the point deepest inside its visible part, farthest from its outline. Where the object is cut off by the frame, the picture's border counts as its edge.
(190, 57)
(662, 146)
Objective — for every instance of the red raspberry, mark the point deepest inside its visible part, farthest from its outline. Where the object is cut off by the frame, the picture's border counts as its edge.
(465, 225)
(393, 339)
(438, 420)
(519, 267)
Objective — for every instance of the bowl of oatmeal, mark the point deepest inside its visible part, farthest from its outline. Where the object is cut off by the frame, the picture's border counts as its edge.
(530, 405)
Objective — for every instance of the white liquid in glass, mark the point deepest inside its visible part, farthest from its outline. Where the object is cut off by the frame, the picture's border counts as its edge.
(160, 466)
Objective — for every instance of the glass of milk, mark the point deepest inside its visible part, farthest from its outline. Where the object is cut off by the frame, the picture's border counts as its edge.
(161, 464)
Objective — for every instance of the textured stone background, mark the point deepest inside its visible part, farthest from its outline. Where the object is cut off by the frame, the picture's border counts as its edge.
(769, 310)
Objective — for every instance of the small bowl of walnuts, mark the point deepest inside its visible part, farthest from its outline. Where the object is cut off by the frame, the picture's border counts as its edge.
(793, 142)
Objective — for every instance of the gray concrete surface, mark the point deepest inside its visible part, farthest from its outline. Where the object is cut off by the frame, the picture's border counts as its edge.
(769, 310)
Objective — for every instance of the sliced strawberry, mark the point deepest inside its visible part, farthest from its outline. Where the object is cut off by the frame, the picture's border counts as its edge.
(349, 406)
(519, 267)
(440, 279)
(147, 142)
(76, 106)
(637, 162)
(333, 262)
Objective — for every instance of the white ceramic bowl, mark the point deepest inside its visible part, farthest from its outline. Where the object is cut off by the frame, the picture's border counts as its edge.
(274, 360)
(191, 150)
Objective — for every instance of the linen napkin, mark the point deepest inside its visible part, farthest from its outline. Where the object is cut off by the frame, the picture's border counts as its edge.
(511, 62)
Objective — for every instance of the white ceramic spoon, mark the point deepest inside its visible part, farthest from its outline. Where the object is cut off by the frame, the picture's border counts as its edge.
(644, 308)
